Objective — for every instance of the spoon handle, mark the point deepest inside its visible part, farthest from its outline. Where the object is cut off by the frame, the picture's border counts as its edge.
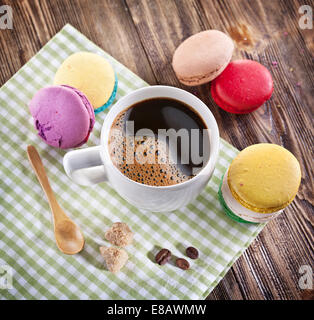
(40, 172)
(69, 237)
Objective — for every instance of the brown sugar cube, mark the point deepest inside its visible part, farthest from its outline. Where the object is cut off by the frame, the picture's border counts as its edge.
(115, 258)
(119, 234)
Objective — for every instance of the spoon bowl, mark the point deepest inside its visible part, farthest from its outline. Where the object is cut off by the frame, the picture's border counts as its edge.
(69, 237)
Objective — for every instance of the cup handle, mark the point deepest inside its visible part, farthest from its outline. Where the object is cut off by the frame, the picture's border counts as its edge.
(85, 166)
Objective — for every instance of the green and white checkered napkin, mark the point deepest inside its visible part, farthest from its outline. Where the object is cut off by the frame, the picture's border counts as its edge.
(27, 242)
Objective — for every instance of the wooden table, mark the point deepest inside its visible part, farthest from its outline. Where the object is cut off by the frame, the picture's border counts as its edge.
(143, 36)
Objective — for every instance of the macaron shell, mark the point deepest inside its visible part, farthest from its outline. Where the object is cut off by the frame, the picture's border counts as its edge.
(202, 57)
(60, 116)
(89, 73)
(87, 104)
(242, 87)
(264, 177)
(222, 104)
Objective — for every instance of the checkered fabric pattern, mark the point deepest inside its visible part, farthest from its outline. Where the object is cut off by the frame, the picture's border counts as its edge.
(27, 242)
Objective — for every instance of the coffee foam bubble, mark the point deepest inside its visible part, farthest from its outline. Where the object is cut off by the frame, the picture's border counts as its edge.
(144, 159)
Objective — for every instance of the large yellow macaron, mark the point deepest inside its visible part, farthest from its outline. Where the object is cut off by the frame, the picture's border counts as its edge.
(91, 74)
(264, 177)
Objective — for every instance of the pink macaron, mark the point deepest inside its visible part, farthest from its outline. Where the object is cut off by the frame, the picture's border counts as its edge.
(63, 116)
(242, 87)
(202, 57)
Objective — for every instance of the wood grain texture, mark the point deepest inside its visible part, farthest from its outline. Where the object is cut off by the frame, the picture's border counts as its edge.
(143, 36)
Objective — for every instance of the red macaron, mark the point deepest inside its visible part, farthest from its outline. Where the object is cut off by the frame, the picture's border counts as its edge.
(242, 87)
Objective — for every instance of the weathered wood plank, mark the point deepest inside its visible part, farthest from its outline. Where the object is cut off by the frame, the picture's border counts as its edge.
(107, 23)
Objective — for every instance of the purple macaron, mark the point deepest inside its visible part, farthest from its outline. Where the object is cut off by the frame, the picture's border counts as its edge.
(63, 116)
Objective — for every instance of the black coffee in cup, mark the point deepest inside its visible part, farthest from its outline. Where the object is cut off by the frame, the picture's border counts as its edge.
(159, 142)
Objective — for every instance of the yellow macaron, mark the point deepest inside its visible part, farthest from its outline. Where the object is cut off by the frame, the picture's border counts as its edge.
(91, 74)
(264, 177)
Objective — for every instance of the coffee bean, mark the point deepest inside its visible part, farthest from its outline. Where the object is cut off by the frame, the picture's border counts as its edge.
(163, 256)
(192, 252)
(182, 264)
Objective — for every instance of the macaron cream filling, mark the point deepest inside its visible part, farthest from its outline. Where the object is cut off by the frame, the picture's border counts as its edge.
(111, 99)
(197, 78)
(239, 210)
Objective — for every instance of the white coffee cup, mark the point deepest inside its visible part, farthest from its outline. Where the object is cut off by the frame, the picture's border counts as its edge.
(93, 165)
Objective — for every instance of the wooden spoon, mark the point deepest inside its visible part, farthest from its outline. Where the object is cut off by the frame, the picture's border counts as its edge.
(68, 235)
